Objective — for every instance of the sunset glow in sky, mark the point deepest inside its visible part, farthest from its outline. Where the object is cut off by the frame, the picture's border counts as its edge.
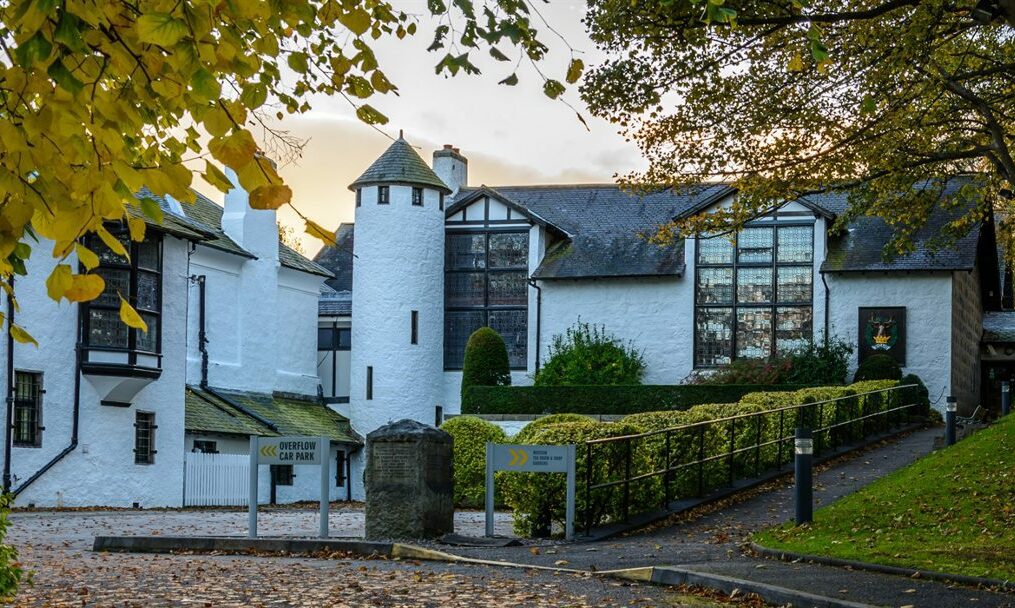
(511, 135)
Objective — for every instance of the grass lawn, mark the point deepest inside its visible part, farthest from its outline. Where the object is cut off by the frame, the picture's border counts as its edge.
(953, 511)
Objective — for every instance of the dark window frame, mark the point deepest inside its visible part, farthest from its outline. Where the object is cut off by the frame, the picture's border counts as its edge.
(144, 446)
(383, 195)
(417, 196)
(134, 271)
(282, 474)
(441, 201)
(414, 327)
(370, 383)
(340, 468)
(27, 433)
(486, 308)
(359, 197)
(206, 446)
(735, 306)
(332, 339)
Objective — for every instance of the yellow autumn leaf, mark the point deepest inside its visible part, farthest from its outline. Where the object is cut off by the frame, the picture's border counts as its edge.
(234, 150)
(112, 242)
(86, 256)
(271, 196)
(22, 336)
(796, 64)
(85, 287)
(216, 177)
(319, 232)
(59, 281)
(136, 226)
(130, 317)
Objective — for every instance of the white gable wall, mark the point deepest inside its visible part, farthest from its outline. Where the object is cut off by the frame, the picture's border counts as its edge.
(296, 329)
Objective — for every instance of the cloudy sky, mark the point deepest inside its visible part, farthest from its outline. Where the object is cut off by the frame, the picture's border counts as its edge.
(511, 135)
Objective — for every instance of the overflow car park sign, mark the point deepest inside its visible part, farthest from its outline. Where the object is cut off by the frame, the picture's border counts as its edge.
(289, 450)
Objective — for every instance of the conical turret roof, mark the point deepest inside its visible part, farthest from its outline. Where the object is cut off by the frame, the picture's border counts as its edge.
(400, 164)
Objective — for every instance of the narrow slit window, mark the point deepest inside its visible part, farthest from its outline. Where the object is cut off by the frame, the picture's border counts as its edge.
(414, 322)
(417, 197)
(370, 382)
(359, 197)
(442, 201)
(383, 195)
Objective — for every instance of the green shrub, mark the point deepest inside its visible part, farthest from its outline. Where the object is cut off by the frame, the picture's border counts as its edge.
(814, 364)
(471, 435)
(11, 572)
(602, 399)
(529, 430)
(537, 499)
(919, 395)
(486, 360)
(587, 355)
(878, 367)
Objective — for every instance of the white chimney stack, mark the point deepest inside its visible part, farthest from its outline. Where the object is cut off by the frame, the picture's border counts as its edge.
(253, 229)
(451, 167)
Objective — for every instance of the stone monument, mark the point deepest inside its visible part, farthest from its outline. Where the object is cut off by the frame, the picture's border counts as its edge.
(409, 482)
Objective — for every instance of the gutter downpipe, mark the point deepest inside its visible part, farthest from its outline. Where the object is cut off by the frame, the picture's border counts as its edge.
(539, 315)
(202, 347)
(10, 392)
(74, 420)
(827, 311)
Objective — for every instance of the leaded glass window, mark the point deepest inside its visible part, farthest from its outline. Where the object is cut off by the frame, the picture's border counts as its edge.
(753, 294)
(144, 438)
(27, 427)
(137, 280)
(486, 284)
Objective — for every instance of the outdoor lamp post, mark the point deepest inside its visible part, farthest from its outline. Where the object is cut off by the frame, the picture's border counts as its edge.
(803, 461)
(950, 409)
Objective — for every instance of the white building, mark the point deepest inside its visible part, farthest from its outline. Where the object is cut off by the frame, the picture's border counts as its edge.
(106, 415)
(433, 259)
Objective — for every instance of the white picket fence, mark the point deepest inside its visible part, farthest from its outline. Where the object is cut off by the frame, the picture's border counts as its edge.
(216, 479)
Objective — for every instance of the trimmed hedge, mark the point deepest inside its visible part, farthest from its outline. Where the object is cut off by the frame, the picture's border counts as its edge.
(470, 436)
(622, 399)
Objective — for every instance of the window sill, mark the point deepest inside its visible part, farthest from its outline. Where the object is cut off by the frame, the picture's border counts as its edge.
(121, 369)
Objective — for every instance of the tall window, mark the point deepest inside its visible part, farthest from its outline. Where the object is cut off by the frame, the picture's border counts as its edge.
(417, 196)
(359, 197)
(753, 297)
(27, 410)
(144, 438)
(139, 281)
(383, 195)
(486, 284)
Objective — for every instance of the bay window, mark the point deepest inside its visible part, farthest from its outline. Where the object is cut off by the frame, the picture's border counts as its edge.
(753, 294)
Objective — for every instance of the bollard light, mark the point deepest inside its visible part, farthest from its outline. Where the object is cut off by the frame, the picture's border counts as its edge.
(1005, 398)
(951, 407)
(803, 468)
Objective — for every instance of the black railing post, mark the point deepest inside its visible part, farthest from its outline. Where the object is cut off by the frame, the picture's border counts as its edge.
(950, 410)
(701, 460)
(588, 489)
(666, 471)
(627, 480)
(733, 440)
(757, 445)
(1005, 398)
(803, 461)
(782, 437)
(818, 442)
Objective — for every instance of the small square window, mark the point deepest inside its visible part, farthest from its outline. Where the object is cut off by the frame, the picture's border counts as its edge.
(417, 197)
(383, 195)
(282, 474)
(205, 446)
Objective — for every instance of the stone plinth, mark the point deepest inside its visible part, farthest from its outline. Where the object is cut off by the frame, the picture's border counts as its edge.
(408, 482)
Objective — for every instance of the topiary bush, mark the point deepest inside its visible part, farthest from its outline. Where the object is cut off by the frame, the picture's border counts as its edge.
(588, 355)
(919, 395)
(486, 360)
(878, 367)
(470, 436)
(531, 429)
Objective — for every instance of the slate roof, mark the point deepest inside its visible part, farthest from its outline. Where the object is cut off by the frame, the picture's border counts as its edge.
(207, 214)
(338, 258)
(606, 225)
(861, 247)
(334, 303)
(171, 223)
(291, 415)
(999, 326)
(400, 164)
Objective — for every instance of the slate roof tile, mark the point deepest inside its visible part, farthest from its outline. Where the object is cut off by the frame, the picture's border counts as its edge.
(338, 258)
(999, 326)
(400, 164)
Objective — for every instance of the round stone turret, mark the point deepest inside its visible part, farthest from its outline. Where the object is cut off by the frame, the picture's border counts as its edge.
(397, 360)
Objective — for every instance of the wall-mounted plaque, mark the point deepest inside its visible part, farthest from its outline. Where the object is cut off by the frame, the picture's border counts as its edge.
(883, 332)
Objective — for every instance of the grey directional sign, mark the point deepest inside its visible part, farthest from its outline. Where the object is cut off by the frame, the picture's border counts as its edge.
(531, 459)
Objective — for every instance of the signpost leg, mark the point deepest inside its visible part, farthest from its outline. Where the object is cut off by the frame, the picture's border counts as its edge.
(252, 498)
(324, 448)
(489, 489)
(569, 508)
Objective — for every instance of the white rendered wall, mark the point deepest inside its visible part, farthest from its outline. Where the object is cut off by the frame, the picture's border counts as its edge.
(296, 330)
(101, 471)
(398, 267)
(928, 301)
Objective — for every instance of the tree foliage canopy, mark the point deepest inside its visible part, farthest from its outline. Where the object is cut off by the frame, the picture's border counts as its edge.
(101, 97)
(882, 98)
